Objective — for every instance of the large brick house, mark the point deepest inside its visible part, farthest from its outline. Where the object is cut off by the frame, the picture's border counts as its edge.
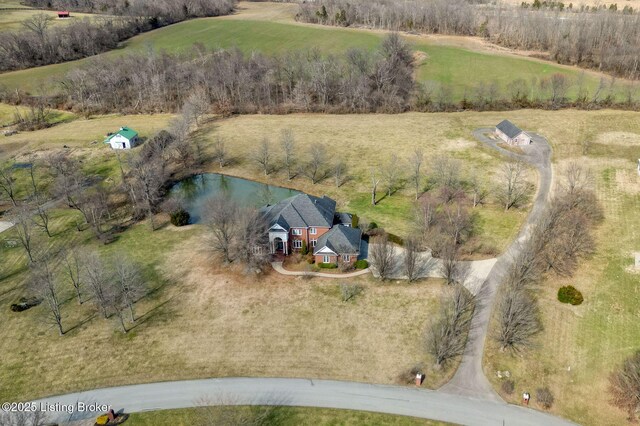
(312, 221)
(512, 134)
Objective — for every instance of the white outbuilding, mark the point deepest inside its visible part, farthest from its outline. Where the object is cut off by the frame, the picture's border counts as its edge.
(125, 138)
(512, 134)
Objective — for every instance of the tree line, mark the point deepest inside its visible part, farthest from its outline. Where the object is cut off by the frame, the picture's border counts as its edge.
(562, 237)
(600, 40)
(40, 44)
(232, 82)
(167, 11)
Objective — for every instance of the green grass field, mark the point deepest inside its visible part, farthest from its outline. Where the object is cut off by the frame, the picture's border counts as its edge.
(446, 64)
(278, 416)
(12, 19)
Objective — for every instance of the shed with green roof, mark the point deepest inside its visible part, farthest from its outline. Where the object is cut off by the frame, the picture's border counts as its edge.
(125, 138)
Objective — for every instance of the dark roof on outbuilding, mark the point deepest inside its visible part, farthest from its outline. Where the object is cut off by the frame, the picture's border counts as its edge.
(341, 240)
(301, 211)
(509, 129)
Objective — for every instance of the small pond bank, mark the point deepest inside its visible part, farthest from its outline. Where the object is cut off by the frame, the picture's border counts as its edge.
(195, 191)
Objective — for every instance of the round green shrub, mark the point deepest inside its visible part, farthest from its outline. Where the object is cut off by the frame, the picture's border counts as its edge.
(373, 225)
(361, 264)
(569, 294)
(180, 217)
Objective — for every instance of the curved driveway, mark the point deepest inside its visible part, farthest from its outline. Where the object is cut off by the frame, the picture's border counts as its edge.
(467, 399)
(469, 379)
(306, 393)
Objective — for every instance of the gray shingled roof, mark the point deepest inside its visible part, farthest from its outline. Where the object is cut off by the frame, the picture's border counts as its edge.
(508, 128)
(301, 211)
(343, 219)
(341, 240)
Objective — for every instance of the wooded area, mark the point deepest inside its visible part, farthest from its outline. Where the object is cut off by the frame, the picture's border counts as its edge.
(604, 39)
(39, 44)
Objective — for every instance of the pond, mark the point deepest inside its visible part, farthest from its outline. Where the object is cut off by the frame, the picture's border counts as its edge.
(195, 191)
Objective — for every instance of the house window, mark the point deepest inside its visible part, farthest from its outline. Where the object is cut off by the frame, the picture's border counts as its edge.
(297, 244)
(313, 243)
(346, 258)
(296, 231)
(326, 259)
(313, 231)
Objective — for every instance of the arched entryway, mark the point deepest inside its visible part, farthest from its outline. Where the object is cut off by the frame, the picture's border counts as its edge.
(278, 245)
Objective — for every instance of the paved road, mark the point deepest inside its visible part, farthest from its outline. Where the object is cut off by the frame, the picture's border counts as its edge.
(472, 273)
(398, 400)
(4, 225)
(469, 379)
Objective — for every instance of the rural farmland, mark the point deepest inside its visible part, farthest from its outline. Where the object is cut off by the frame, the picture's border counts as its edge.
(414, 227)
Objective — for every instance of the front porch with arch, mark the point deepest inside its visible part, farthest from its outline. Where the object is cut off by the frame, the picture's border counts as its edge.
(279, 241)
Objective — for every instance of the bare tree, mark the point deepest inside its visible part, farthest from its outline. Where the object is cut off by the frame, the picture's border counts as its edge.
(577, 178)
(478, 190)
(222, 219)
(315, 168)
(21, 218)
(7, 184)
(23, 418)
(262, 156)
(288, 145)
(518, 318)
(46, 287)
(73, 270)
(513, 189)
(98, 280)
(196, 105)
(415, 160)
(339, 172)
(375, 180)
(130, 283)
(252, 245)
(220, 154)
(391, 174)
(38, 202)
(38, 24)
(411, 258)
(68, 178)
(450, 257)
(624, 386)
(149, 175)
(446, 336)
(383, 256)
(445, 172)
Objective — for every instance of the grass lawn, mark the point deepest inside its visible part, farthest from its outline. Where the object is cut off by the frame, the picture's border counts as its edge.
(581, 345)
(362, 142)
(7, 115)
(12, 19)
(232, 324)
(280, 416)
(78, 134)
(270, 28)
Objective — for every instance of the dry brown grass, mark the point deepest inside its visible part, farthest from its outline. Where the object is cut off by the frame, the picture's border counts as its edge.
(205, 320)
(581, 345)
(79, 134)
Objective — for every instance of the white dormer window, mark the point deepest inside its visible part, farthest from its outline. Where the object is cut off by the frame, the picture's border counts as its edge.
(313, 231)
(296, 231)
